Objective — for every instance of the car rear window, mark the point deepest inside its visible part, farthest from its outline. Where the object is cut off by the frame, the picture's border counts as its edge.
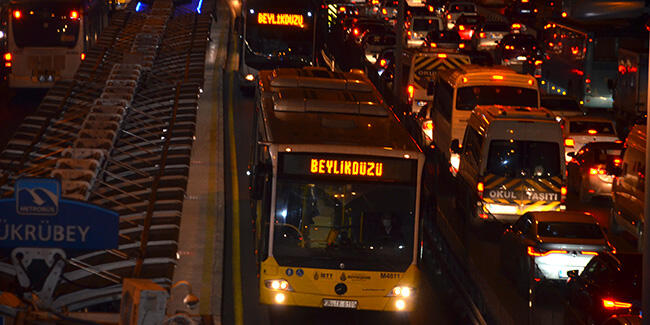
(424, 24)
(491, 27)
(569, 230)
(462, 8)
(560, 104)
(604, 156)
(468, 97)
(590, 127)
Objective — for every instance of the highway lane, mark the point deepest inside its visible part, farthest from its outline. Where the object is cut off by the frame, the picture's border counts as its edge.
(14, 106)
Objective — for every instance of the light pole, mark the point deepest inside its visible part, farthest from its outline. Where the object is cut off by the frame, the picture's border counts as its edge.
(398, 92)
(645, 247)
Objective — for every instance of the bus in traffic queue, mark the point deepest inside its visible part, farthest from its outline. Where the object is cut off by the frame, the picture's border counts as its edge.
(335, 193)
(47, 40)
(457, 92)
(582, 58)
(278, 34)
(512, 162)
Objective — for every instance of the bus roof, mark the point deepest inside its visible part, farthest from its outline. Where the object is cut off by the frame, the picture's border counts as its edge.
(476, 75)
(315, 106)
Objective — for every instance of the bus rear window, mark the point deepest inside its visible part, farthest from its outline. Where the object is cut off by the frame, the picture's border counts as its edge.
(589, 127)
(468, 97)
(45, 27)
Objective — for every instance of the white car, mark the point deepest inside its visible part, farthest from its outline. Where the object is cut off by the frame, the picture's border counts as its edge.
(580, 130)
(554, 242)
(419, 26)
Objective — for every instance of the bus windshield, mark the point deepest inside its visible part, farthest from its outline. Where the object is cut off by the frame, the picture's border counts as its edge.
(362, 225)
(525, 159)
(39, 26)
(468, 97)
(269, 46)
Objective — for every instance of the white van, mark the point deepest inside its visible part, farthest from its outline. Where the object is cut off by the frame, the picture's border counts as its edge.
(458, 92)
(419, 26)
(511, 162)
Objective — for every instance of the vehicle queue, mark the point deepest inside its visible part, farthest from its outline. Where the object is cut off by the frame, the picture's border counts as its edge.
(513, 161)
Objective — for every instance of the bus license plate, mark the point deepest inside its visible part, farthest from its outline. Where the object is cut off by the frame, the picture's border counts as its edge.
(352, 304)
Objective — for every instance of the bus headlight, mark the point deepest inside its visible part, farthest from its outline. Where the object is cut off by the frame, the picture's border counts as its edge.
(401, 291)
(279, 284)
(249, 77)
(2, 34)
(400, 304)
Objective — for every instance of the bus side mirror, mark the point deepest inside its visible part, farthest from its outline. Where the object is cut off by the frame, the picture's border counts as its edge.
(572, 274)
(238, 25)
(455, 146)
(430, 87)
(257, 185)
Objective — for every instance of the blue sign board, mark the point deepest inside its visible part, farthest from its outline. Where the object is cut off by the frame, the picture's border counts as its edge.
(38, 217)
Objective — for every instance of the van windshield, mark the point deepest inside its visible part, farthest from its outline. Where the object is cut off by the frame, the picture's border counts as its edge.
(515, 158)
(468, 97)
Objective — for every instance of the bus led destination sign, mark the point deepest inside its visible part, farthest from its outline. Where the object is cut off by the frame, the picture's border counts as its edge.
(346, 167)
(265, 18)
(352, 167)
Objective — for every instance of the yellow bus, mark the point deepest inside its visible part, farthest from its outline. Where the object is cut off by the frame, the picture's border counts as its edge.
(334, 186)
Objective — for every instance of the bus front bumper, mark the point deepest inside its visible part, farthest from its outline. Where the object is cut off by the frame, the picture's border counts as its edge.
(377, 303)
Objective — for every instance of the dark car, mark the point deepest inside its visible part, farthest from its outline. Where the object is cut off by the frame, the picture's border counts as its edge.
(466, 26)
(609, 285)
(588, 169)
(446, 39)
(520, 52)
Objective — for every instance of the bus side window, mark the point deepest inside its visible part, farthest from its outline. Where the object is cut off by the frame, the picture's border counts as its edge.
(443, 99)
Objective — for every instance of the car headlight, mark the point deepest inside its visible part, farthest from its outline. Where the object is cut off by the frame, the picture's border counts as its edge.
(2, 34)
(401, 291)
(279, 284)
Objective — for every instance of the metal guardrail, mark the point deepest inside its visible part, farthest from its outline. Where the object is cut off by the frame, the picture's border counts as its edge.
(120, 136)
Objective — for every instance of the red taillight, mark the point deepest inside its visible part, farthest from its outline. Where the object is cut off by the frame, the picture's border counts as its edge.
(563, 190)
(481, 35)
(430, 8)
(448, 16)
(538, 62)
(461, 27)
(408, 34)
(588, 253)
(8, 56)
(427, 125)
(563, 193)
(497, 77)
(516, 26)
(480, 187)
(587, 81)
(74, 14)
(613, 304)
(568, 142)
(442, 55)
(17, 14)
(83, 56)
(411, 91)
(564, 14)
(342, 9)
(355, 32)
(461, 45)
(535, 253)
(383, 11)
(7, 64)
(592, 131)
(433, 45)
(382, 63)
(617, 162)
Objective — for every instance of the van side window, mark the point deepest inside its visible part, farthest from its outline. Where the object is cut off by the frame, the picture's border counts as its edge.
(443, 99)
(472, 144)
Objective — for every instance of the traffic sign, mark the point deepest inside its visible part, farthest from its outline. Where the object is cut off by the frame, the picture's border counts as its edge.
(38, 216)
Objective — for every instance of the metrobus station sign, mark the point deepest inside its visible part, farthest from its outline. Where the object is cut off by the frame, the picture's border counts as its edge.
(38, 216)
(266, 18)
